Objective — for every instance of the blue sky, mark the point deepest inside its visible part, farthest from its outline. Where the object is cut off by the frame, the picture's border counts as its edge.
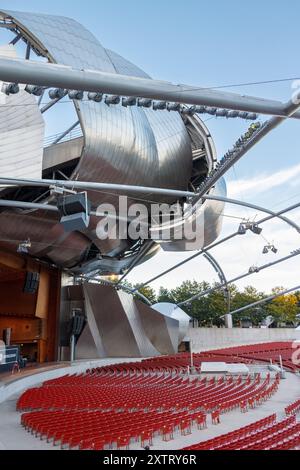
(213, 44)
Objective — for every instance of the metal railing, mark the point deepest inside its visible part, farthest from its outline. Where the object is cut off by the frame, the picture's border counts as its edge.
(73, 134)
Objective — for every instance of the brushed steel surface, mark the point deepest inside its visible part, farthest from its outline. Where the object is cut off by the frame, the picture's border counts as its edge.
(117, 324)
(175, 312)
(124, 145)
(21, 132)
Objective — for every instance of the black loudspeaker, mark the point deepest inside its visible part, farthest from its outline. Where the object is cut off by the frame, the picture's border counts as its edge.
(31, 283)
(76, 324)
(74, 210)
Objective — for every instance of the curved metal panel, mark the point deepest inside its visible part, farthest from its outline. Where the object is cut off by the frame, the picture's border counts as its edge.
(21, 132)
(122, 145)
(173, 311)
(129, 145)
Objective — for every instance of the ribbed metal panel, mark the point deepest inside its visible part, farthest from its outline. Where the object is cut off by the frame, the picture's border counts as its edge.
(130, 145)
(21, 132)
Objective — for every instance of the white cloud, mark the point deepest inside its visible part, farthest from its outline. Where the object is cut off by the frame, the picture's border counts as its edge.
(264, 182)
(235, 258)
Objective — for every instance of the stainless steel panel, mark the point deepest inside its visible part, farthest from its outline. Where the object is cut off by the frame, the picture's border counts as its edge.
(145, 346)
(130, 145)
(118, 325)
(21, 132)
(111, 321)
(158, 328)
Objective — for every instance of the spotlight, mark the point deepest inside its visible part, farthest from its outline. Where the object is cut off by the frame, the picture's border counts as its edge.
(255, 229)
(173, 106)
(24, 246)
(189, 111)
(112, 99)
(129, 101)
(211, 110)
(221, 112)
(10, 88)
(232, 113)
(34, 90)
(200, 109)
(159, 105)
(57, 93)
(242, 229)
(144, 102)
(75, 94)
(252, 116)
(268, 248)
(253, 269)
(243, 114)
(97, 97)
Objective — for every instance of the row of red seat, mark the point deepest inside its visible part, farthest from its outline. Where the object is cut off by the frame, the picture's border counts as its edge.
(266, 434)
(93, 392)
(255, 353)
(293, 408)
(97, 430)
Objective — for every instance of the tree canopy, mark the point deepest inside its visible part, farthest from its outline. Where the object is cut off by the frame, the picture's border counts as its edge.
(210, 309)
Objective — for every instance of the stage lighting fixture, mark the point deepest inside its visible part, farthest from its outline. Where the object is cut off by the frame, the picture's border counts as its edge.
(10, 88)
(159, 105)
(173, 106)
(255, 229)
(75, 94)
(57, 93)
(97, 97)
(24, 246)
(242, 229)
(75, 211)
(128, 101)
(112, 99)
(144, 102)
(34, 90)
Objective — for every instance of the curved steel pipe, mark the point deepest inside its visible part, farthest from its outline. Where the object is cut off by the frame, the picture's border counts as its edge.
(213, 245)
(52, 75)
(252, 206)
(238, 278)
(267, 299)
(217, 267)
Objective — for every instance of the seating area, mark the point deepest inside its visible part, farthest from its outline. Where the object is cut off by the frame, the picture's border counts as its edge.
(113, 407)
(250, 354)
(293, 408)
(134, 403)
(266, 434)
(99, 390)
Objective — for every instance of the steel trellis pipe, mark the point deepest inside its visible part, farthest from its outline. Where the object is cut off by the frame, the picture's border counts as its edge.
(271, 297)
(238, 278)
(213, 245)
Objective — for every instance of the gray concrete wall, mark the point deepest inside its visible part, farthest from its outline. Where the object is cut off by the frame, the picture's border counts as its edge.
(213, 338)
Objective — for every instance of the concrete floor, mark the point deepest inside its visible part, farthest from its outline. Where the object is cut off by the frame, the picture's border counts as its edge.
(13, 436)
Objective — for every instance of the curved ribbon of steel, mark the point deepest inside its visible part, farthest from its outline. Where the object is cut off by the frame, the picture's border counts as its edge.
(212, 260)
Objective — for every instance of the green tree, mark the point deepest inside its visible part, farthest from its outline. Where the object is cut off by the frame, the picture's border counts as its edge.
(284, 308)
(248, 296)
(149, 293)
(164, 295)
